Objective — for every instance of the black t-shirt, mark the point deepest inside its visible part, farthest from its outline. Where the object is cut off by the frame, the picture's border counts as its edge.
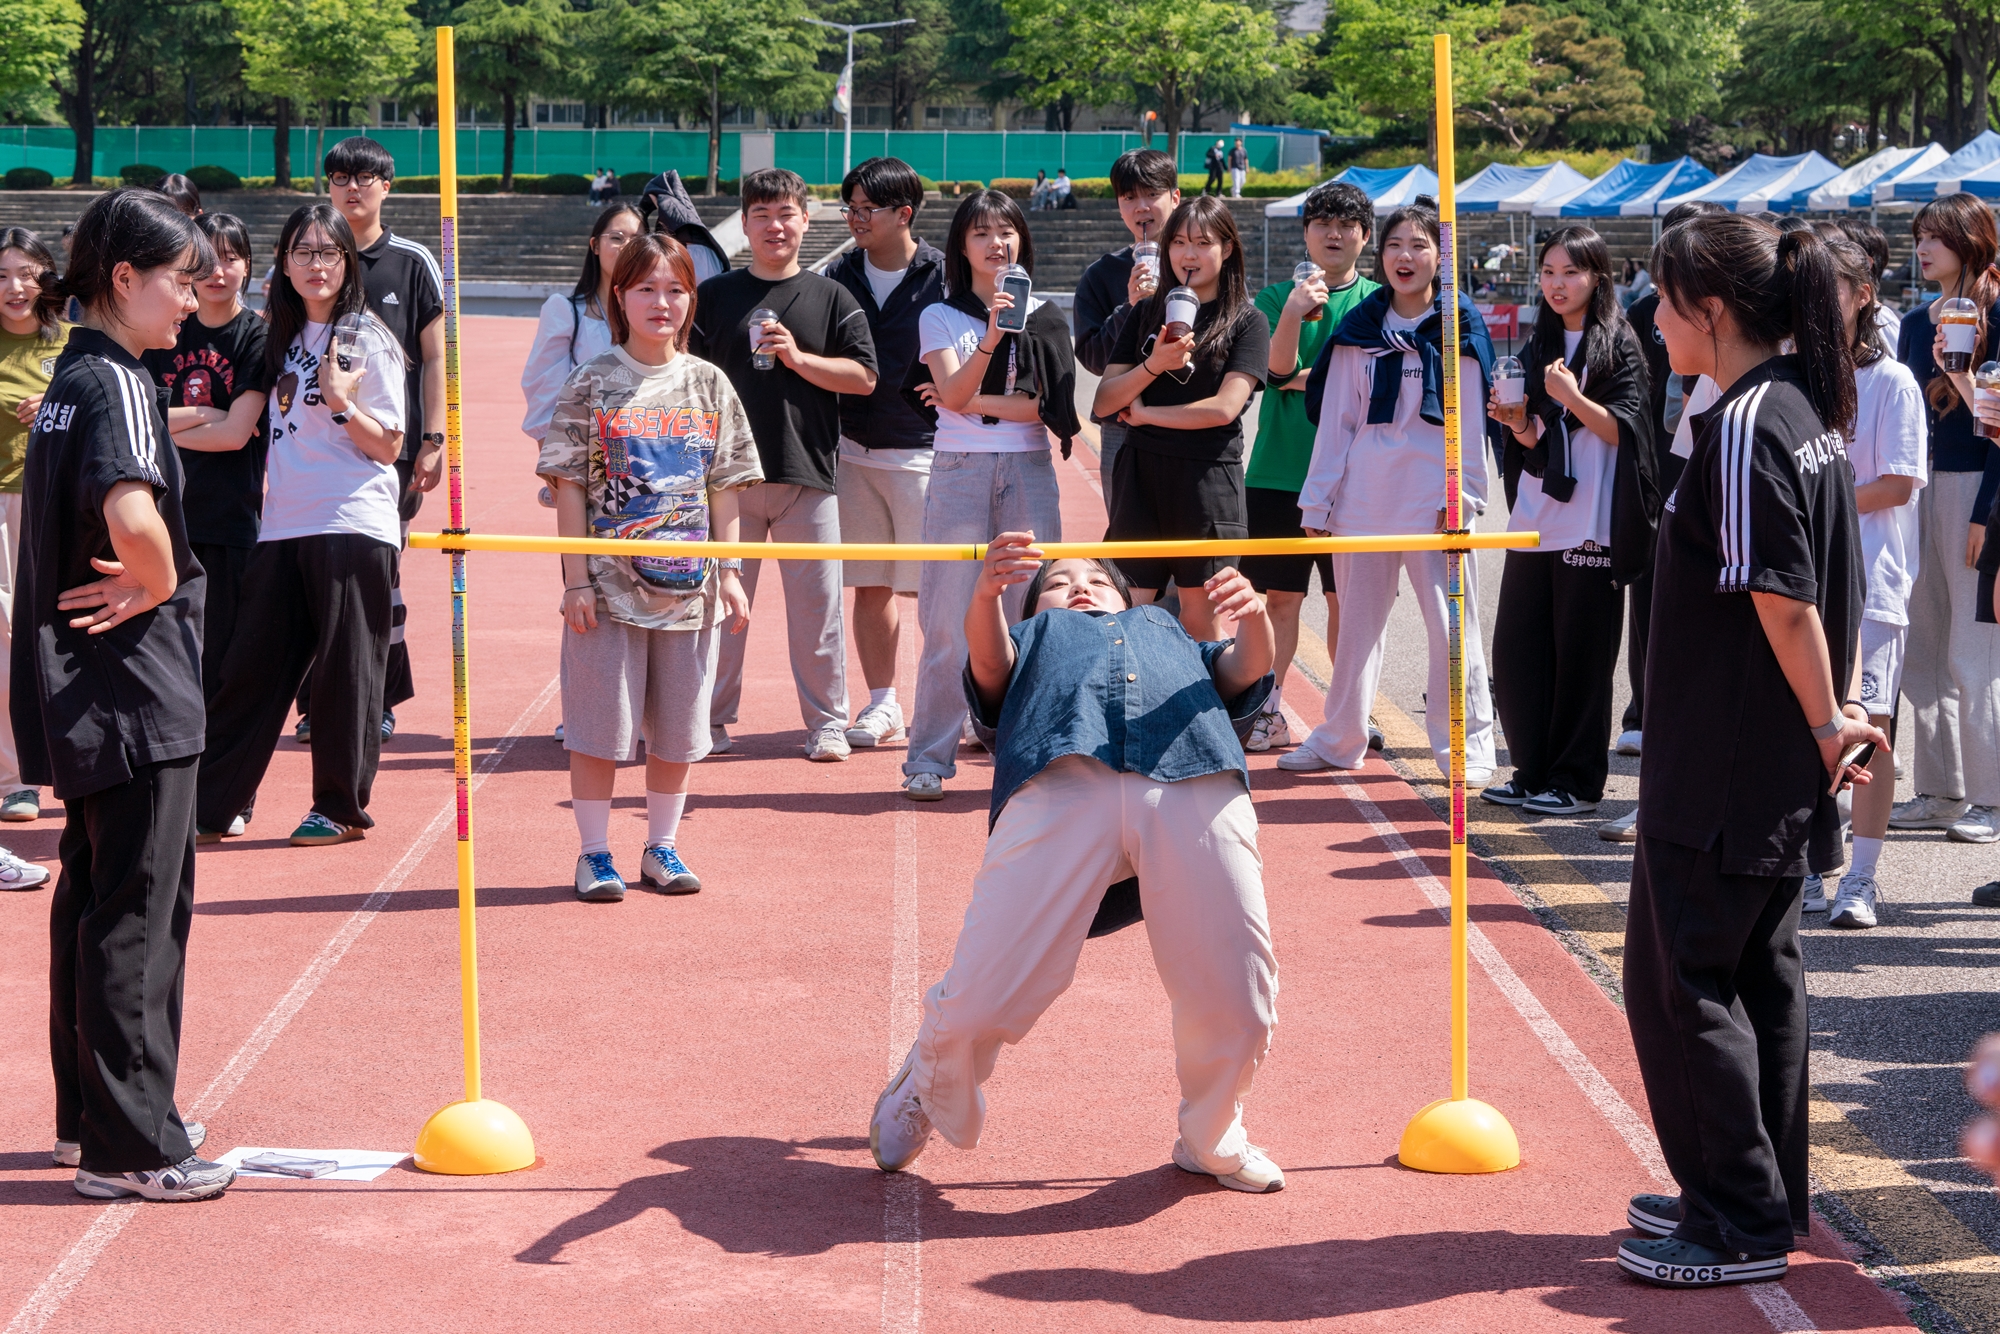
(224, 492)
(1766, 505)
(1248, 351)
(795, 422)
(406, 292)
(88, 710)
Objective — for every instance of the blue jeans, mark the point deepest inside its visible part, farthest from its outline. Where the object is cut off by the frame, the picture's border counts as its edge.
(972, 498)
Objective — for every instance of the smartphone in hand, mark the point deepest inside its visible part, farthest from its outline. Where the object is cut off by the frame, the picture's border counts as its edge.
(1860, 754)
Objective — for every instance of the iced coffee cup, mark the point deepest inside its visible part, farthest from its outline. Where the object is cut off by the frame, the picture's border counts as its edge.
(1959, 319)
(1986, 390)
(1510, 393)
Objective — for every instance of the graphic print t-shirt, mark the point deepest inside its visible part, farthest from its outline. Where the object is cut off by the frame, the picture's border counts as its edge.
(209, 368)
(321, 482)
(648, 444)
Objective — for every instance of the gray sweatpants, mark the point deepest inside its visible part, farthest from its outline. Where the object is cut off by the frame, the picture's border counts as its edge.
(785, 512)
(1951, 672)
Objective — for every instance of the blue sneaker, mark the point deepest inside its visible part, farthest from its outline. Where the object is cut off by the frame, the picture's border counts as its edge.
(663, 869)
(597, 879)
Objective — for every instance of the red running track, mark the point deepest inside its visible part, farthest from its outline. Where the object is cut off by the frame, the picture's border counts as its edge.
(699, 1071)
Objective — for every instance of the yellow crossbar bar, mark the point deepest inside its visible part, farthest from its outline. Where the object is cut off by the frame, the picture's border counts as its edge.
(1258, 546)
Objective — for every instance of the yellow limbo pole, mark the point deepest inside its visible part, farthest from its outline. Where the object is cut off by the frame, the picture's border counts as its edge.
(476, 1136)
(1459, 1133)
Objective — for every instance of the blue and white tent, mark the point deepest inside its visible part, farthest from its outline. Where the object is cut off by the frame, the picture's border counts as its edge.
(1856, 187)
(1500, 188)
(1981, 152)
(1761, 182)
(1984, 182)
(1628, 183)
(1389, 188)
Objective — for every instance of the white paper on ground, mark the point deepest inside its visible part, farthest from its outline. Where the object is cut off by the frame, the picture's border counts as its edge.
(355, 1164)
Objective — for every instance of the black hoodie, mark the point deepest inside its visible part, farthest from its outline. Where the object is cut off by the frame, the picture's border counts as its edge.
(887, 418)
(666, 195)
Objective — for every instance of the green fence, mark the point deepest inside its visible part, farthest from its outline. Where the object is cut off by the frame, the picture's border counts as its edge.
(960, 155)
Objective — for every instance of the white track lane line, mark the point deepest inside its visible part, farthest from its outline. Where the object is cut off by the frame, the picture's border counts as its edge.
(902, 1195)
(1771, 1300)
(48, 1297)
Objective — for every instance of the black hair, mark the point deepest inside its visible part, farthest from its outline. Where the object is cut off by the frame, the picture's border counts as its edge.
(1143, 169)
(1694, 208)
(772, 185)
(49, 301)
(1788, 222)
(351, 157)
(1340, 202)
(1422, 212)
(181, 190)
(1857, 270)
(1871, 239)
(888, 181)
(227, 231)
(1774, 286)
(285, 308)
(972, 210)
(1202, 214)
(593, 267)
(1603, 319)
(1110, 567)
(132, 226)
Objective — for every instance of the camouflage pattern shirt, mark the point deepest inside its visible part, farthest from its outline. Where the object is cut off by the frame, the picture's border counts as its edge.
(649, 444)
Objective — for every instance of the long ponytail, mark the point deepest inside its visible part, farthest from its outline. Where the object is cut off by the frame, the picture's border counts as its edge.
(1774, 288)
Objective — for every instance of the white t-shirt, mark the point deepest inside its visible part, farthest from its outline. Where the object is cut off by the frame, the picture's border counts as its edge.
(941, 327)
(1889, 439)
(566, 336)
(1891, 325)
(882, 282)
(1587, 515)
(320, 482)
(1700, 399)
(1385, 478)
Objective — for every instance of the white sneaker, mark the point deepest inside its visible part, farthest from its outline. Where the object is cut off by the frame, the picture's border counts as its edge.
(1555, 801)
(1854, 905)
(877, 723)
(1628, 743)
(1477, 778)
(924, 787)
(1979, 824)
(718, 740)
(1258, 1175)
(1815, 895)
(1625, 829)
(899, 1129)
(190, 1179)
(17, 873)
(970, 735)
(1268, 731)
(1924, 811)
(828, 744)
(1303, 761)
(69, 1152)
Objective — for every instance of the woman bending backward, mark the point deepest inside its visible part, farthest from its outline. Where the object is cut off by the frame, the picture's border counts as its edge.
(1751, 699)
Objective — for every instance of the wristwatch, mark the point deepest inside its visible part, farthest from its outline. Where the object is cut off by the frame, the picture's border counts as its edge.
(432, 438)
(729, 565)
(1829, 729)
(340, 419)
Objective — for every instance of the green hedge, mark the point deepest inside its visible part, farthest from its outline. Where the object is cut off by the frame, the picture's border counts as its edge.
(141, 173)
(29, 178)
(214, 178)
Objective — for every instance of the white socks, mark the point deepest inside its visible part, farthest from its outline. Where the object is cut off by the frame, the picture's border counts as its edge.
(1867, 852)
(663, 817)
(1275, 704)
(593, 823)
(886, 695)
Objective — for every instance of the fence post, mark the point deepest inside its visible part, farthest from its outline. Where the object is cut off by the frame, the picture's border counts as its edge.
(944, 171)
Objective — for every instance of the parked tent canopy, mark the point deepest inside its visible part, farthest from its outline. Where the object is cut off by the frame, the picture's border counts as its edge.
(1981, 152)
(1856, 187)
(1760, 183)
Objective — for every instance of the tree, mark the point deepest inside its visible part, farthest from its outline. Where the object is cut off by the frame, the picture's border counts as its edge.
(507, 49)
(702, 55)
(1097, 50)
(1578, 88)
(41, 35)
(1681, 47)
(105, 34)
(900, 66)
(1382, 55)
(315, 52)
(977, 51)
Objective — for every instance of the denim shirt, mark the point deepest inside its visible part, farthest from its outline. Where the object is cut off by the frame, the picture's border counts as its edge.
(1130, 690)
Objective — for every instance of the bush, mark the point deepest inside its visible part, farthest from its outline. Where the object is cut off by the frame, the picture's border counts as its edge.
(1015, 187)
(29, 178)
(556, 183)
(141, 173)
(214, 178)
(633, 182)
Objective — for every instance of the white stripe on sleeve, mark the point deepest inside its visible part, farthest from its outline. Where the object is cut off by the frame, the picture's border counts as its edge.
(1739, 431)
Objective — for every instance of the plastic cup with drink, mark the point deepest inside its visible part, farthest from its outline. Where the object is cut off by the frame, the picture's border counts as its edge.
(1146, 259)
(760, 358)
(1510, 393)
(1959, 319)
(1306, 272)
(1986, 391)
(1183, 306)
(347, 340)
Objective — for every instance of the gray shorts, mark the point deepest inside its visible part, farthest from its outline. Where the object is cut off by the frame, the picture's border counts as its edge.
(882, 505)
(1882, 648)
(621, 683)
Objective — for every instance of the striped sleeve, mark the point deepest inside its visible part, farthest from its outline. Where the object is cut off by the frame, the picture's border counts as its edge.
(1763, 516)
(131, 431)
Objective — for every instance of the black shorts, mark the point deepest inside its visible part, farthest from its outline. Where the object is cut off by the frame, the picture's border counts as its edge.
(1158, 496)
(1276, 514)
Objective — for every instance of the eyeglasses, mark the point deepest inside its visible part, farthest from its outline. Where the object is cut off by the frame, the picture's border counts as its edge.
(849, 210)
(340, 180)
(305, 257)
(616, 239)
